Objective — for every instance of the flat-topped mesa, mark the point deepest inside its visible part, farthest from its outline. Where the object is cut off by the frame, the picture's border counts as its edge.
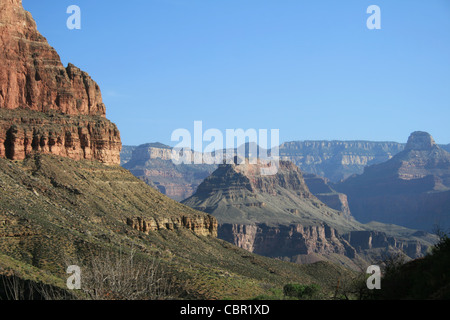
(419, 141)
(44, 106)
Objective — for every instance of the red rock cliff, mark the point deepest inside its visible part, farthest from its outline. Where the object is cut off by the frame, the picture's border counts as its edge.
(45, 106)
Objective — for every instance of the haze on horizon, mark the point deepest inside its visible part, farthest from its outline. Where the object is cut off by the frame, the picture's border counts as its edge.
(311, 69)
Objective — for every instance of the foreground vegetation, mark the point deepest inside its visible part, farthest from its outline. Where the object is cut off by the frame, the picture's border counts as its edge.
(422, 279)
(56, 212)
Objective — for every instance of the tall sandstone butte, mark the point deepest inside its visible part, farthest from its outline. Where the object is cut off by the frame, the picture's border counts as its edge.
(43, 105)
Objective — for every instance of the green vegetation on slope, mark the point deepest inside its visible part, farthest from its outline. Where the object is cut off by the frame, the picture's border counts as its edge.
(56, 211)
(421, 279)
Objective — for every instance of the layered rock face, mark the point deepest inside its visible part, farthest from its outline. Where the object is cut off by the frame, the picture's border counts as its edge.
(77, 137)
(240, 193)
(32, 76)
(287, 240)
(296, 242)
(412, 189)
(367, 240)
(337, 160)
(199, 224)
(153, 164)
(37, 93)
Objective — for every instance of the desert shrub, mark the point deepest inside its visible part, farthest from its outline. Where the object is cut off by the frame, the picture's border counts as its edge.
(13, 287)
(299, 291)
(124, 276)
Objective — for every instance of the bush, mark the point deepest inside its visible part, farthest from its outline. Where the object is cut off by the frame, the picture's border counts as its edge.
(299, 291)
(420, 279)
(124, 276)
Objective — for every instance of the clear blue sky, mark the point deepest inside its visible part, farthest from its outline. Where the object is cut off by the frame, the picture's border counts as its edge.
(309, 68)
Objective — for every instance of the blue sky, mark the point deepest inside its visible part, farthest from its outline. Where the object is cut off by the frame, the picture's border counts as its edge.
(311, 69)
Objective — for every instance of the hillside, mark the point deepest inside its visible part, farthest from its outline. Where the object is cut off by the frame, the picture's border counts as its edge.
(54, 210)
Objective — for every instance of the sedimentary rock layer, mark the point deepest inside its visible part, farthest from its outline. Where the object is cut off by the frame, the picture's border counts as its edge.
(37, 93)
(204, 225)
(76, 137)
(337, 160)
(153, 164)
(32, 75)
(289, 241)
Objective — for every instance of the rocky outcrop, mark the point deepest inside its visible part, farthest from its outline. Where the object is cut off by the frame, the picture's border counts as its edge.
(412, 189)
(203, 225)
(76, 137)
(37, 94)
(420, 141)
(32, 75)
(289, 177)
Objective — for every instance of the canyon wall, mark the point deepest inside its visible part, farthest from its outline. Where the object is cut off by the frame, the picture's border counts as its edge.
(152, 163)
(291, 241)
(337, 160)
(412, 189)
(44, 106)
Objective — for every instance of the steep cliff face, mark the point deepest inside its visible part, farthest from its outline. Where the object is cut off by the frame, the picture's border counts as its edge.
(153, 164)
(37, 93)
(367, 240)
(412, 189)
(298, 243)
(77, 137)
(32, 75)
(287, 240)
(199, 224)
(55, 210)
(337, 160)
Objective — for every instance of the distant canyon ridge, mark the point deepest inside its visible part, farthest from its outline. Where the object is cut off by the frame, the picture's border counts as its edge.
(333, 160)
